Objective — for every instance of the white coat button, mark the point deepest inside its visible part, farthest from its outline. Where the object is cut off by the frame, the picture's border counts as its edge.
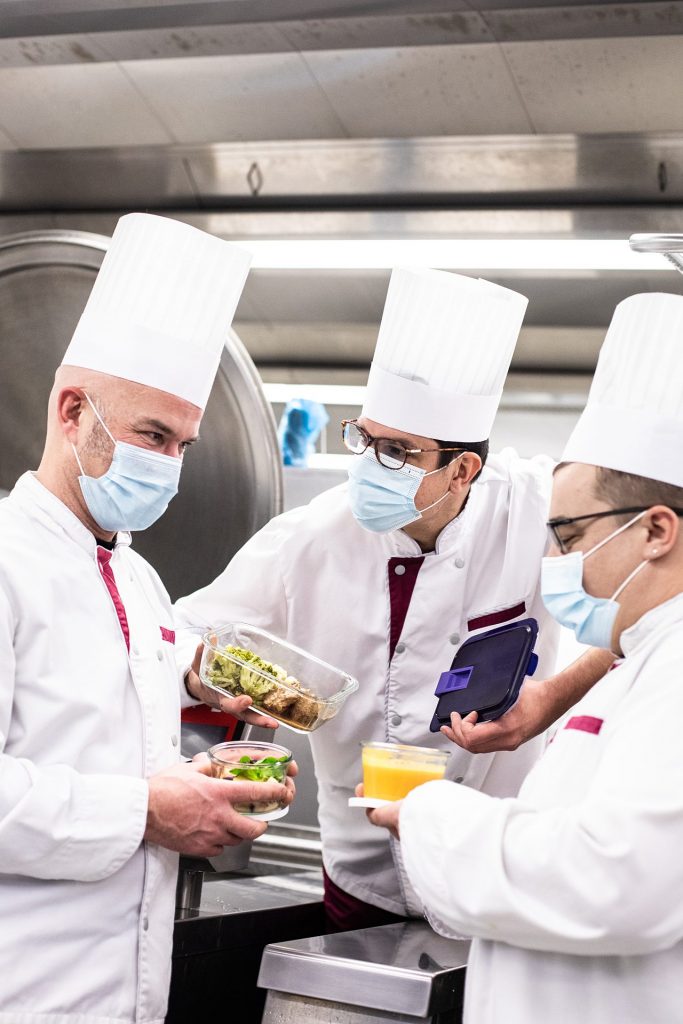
(134, 650)
(399, 569)
(396, 719)
(174, 740)
(454, 638)
(399, 648)
(160, 655)
(145, 924)
(459, 778)
(459, 563)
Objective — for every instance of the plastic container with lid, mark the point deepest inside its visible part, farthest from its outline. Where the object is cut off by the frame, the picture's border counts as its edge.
(252, 762)
(285, 682)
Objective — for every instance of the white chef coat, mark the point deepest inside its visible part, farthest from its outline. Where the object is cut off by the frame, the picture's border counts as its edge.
(86, 909)
(316, 578)
(574, 888)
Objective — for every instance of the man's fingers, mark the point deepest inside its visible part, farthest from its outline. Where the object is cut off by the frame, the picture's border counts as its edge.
(243, 791)
(360, 789)
(262, 721)
(241, 827)
(291, 790)
(201, 763)
(240, 708)
(235, 705)
(293, 769)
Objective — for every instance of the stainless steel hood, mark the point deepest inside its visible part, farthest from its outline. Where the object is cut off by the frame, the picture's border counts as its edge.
(355, 119)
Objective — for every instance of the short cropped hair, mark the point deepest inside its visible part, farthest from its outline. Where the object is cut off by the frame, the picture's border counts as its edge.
(480, 448)
(629, 490)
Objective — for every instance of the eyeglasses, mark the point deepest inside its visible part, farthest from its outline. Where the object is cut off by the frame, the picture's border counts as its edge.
(555, 524)
(389, 453)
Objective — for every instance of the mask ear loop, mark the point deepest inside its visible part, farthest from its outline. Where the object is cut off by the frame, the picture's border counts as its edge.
(94, 409)
(441, 468)
(104, 425)
(613, 535)
(443, 496)
(628, 579)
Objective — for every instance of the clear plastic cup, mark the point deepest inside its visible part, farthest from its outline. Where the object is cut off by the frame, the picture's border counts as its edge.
(392, 770)
(252, 762)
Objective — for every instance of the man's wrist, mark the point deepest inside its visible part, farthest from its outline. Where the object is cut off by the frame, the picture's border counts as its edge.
(193, 685)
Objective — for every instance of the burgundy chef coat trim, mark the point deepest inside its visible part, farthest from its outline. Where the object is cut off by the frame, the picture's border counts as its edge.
(167, 634)
(345, 912)
(585, 723)
(401, 589)
(103, 560)
(495, 618)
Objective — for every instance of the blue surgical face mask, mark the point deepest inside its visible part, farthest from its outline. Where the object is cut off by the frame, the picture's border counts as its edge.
(591, 618)
(383, 499)
(136, 489)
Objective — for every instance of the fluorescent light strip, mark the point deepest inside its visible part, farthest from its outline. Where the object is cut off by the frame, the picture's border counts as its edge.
(327, 394)
(451, 254)
(354, 395)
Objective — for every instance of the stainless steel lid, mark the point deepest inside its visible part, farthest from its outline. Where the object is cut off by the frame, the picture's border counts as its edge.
(231, 482)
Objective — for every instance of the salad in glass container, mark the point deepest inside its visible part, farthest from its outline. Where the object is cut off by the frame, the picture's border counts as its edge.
(252, 762)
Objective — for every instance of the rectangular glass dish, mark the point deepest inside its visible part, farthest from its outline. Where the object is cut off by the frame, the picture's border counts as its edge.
(285, 682)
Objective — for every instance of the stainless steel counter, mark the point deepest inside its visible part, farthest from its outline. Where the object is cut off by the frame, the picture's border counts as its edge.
(217, 948)
(398, 972)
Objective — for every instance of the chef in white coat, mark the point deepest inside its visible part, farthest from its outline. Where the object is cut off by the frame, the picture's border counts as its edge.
(429, 542)
(573, 889)
(93, 803)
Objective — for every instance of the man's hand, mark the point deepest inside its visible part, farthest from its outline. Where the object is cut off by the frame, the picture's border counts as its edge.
(541, 702)
(383, 817)
(530, 716)
(386, 817)
(236, 706)
(192, 813)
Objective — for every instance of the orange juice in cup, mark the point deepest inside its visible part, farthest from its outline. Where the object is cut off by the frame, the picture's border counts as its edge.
(391, 770)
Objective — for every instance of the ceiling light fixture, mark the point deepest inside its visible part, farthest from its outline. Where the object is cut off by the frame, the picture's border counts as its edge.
(491, 254)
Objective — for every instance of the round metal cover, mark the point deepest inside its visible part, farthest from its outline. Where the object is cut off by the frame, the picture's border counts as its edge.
(231, 482)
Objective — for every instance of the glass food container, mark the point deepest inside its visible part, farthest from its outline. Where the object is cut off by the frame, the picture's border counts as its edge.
(391, 770)
(252, 762)
(288, 684)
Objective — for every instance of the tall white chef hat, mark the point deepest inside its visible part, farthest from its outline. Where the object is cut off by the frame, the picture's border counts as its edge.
(633, 421)
(161, 306)
(442, 355)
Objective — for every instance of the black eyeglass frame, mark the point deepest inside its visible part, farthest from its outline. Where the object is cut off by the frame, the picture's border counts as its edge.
(553, 524)
(372, 442)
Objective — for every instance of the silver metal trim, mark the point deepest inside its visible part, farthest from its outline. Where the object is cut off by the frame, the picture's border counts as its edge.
(447, 170)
